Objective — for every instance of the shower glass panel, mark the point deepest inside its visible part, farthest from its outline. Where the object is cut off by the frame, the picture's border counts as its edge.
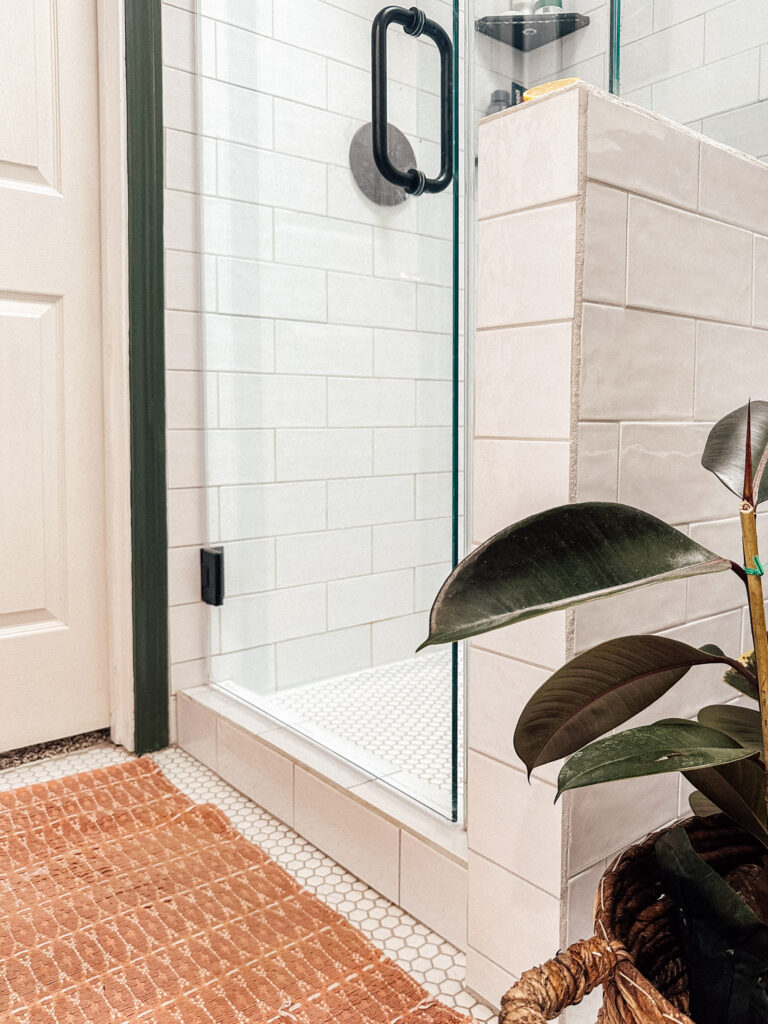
(704, 65)
(331, 312)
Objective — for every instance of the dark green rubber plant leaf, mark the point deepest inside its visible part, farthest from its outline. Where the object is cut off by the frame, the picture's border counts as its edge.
(702, 807)
(559, 558)
(600, 690)
(674, 744)
(739, 681)
(726, 453)
(725, 945)
(741, 724)
(738, 789)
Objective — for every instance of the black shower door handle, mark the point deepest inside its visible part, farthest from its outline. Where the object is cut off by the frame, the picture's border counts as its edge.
(414, 23)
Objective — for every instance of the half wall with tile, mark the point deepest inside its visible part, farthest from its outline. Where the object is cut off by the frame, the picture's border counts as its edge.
(622, 309)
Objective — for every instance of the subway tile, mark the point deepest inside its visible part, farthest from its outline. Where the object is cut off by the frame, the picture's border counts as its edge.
(253, 669)
(328, 30)
(186, 517)
(325, 349)
(733, 189)
(188, 631)
(181, 160)
(428, 580)
(272, 509)
(713, 281)
(634, 807)
(743, 128)
(743, 351)
(666, 53)
(514, 368)
(433, 888)
(621, 351)
(636, 20)
(670, 12)
(370, 403)
(259, 63)
(183, 575)
(545, 140)
(725, 85)
(505, 811)
(316, 557)
(605, 244)
(412, 355)
(187, 675)
(514, 479)
(196, 730)
(359, 839)
(323, 656)
(539, 641)
(513, 290)
(182, 280)
(265, 289)
(645, 610)
(434, 308)
(179, 100)
(242, 343)
(234, 114)
(365, 501)
(407, 256)
(433, 494)
(369, 598)
(511, 921)
(183, 340)
(641, 153)
(660, 471)
(183, 399)
(314, 134)
(271, 400)
(400, 545)
(250, 566)
(324, 454)
(347, 202)
(324, 242)
(499, 688)
(272, 179)
(181, 221)
(269, 618)
(434, 403)
(185, 461)
(240, 456)
(411, 450)
(720, 591)
(237, 229)
(597, 462)
(760, 272)
(371, 302)
(256, 770)
(397, 640)
(580, 903)
(255, 15)
(735, 27)
(487, 979)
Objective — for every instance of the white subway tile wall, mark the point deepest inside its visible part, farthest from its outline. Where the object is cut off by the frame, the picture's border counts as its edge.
(669, 306)
(317, 327)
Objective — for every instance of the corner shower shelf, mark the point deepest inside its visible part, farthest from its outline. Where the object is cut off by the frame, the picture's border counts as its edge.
(530, 31)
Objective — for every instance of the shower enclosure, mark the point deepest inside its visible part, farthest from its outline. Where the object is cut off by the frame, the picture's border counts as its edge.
(335, 322)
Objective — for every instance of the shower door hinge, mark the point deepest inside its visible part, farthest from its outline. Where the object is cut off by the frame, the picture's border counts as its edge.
(212, 575)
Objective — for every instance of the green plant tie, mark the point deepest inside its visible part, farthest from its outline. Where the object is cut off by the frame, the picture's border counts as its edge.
(758, 570)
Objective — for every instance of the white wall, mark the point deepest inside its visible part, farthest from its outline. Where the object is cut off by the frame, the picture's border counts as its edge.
(639, 319)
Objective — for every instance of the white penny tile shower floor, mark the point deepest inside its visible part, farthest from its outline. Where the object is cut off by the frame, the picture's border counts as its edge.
(433, 962)
(393, 721)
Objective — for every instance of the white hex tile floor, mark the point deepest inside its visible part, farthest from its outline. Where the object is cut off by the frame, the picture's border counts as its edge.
(433, 962)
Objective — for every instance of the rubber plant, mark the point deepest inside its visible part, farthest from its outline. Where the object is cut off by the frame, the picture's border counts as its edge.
(586, 551)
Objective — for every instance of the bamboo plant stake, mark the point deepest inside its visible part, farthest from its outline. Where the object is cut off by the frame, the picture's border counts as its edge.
(756, 609)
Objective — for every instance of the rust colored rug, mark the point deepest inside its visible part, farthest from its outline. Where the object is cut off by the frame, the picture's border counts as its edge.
(122, 900)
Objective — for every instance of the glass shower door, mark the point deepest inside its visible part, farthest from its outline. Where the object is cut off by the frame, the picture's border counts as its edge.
(331, 353)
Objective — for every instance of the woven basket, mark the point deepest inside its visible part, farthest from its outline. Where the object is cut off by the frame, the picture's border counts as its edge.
(635, 953)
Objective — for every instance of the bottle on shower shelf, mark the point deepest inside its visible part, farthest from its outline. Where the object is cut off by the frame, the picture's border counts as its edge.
(548, 7)
(500, 100)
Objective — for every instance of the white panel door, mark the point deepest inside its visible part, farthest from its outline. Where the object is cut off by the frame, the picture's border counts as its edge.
(53, 596)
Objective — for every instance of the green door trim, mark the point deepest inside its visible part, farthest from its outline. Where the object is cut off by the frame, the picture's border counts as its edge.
(146, 346)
